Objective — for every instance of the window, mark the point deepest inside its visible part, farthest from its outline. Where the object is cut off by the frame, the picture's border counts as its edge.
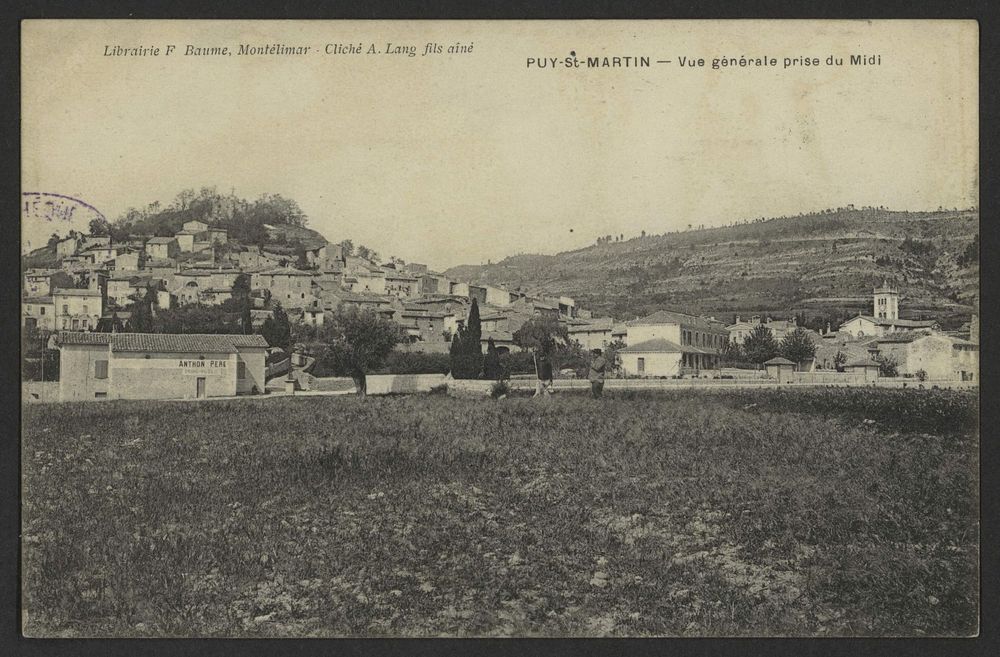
(241, 369)
(65, 309)
(76, 324)
(84, 323)
(85, 309)
(642, 364)
(100, 395)
(100, 369)
(41, 310)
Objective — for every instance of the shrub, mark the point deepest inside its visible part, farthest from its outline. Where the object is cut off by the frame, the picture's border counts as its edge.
(402, 362)
(887, 366)
(466, 366)
(499, 389)
(518, 362)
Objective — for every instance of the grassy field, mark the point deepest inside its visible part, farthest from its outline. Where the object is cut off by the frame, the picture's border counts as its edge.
(806, 512)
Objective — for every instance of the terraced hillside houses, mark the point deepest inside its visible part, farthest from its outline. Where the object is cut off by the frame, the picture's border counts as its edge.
(96, 278)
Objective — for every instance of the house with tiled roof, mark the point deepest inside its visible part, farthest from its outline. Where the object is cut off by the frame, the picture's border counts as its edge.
(421, 325)
(401, 284)
(885, 316)
(291, 287)
(40, 282)
(186, 240)
(504, 320)
(195, 226)
(78, 309)
(593, 333)
(537, 307)
(433, 283)
(128, 259)
(740, 329)
(38, 313)
(861, 326)
(366, 280)
(102, 253)
(668, 343)
(936, 355)
(123, 285)
(159, 366)
(162, 248)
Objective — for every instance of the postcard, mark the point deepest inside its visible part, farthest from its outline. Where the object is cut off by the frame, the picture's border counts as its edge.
(500, 328)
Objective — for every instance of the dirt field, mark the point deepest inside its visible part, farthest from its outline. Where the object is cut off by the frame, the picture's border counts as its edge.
(803, 512)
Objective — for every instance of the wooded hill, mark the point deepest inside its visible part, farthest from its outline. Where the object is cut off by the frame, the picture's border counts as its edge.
(822, 264)
(271, 221)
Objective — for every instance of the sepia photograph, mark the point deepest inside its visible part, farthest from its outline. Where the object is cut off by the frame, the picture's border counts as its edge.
(417, 329)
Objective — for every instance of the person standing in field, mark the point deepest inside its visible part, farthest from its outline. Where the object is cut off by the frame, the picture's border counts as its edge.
(544, 368)
(598, 365)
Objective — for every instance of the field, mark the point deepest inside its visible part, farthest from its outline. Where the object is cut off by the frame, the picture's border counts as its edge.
(807, 512)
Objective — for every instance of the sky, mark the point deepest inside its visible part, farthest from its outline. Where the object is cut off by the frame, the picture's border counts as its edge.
(451, 159)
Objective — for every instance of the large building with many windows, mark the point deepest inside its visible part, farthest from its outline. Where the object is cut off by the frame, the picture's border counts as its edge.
(159, 366)
(668, 344)
(77, 309)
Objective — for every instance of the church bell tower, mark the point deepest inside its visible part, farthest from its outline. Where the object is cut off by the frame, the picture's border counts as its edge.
(886, 303)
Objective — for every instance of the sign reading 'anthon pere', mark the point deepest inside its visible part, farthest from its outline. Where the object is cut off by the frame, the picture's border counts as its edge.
(202, 367)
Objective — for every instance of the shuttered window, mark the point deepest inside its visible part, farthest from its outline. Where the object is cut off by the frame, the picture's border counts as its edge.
(100, 369)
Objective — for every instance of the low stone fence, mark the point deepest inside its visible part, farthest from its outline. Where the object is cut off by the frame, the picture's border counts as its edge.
(40, 391)
(739, 373)
(802, 379)
(385, 384)
(830, 378)
(381, 384)
(911, 382)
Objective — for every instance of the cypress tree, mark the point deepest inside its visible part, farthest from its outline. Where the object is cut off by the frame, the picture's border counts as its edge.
(491, 366)
(475, 330)
(466, 350)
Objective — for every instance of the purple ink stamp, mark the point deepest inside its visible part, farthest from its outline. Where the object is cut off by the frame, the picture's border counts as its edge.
(45, 213)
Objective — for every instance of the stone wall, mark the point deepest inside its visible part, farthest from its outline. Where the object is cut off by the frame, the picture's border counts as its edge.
(384, 384)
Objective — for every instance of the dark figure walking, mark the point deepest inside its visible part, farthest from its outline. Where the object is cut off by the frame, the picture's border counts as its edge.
(597, 367)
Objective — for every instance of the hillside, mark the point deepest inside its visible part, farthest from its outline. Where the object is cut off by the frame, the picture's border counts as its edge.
(279, 234)
(822, 264)
(270, 221)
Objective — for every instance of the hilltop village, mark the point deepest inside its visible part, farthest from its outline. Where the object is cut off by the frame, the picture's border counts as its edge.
(86, 305)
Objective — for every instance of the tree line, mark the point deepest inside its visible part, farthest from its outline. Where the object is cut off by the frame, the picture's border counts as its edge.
(761, 346)
(243, 219)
